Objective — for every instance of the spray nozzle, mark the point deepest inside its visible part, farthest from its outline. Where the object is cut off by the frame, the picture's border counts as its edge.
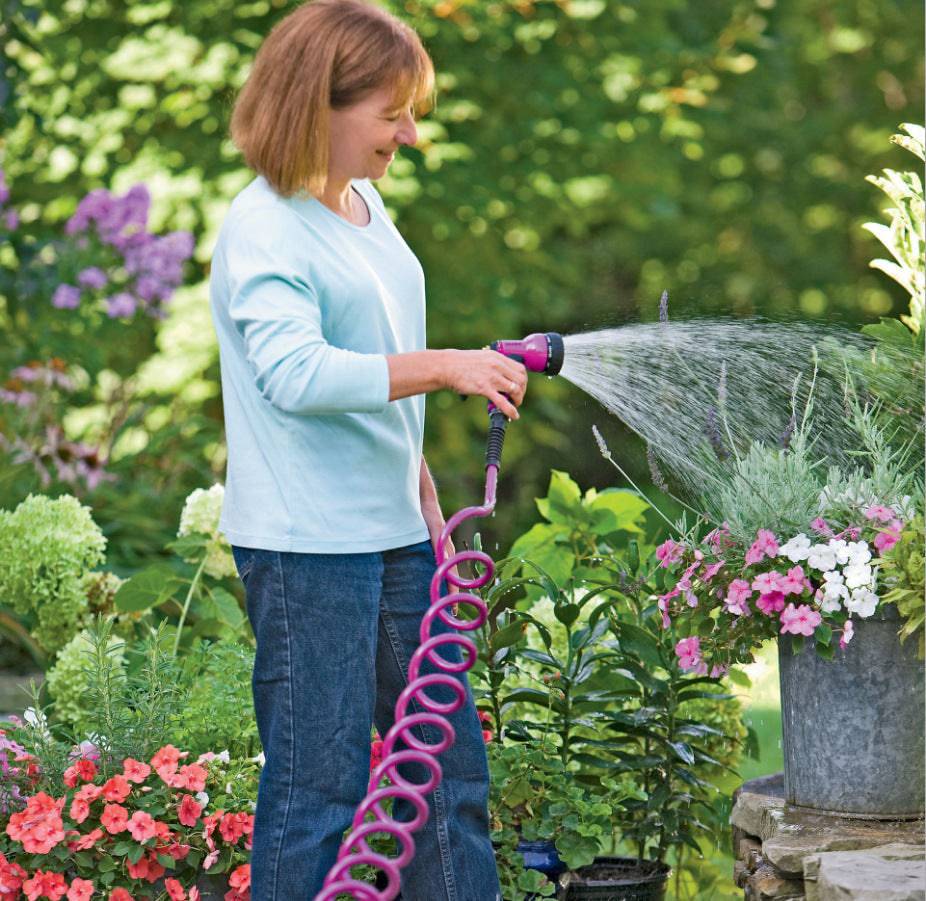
(540, 352)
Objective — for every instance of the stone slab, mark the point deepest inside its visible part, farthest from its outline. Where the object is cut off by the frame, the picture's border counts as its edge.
(892, 872)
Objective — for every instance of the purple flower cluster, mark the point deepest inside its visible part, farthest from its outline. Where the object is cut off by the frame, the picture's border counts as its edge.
(11, 797)
(153, 263)
(9, 219)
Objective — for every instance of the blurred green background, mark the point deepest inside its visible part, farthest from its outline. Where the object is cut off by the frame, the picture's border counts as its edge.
(583, 156)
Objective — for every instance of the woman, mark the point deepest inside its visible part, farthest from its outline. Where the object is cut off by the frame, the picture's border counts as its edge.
(329, 506)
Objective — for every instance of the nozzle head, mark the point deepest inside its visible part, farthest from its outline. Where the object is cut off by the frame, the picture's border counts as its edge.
(539, 352)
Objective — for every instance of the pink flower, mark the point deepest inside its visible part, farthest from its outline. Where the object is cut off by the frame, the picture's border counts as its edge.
(794, 582)
(45, 884)
(848, 630)
(711, 571)
(737, 595)
(887, 538)
(765, 545)
(80, 810)
(719, 670)
(799, 621)
(771, 603)
(765, 583)
(86, 842)
(141, 826)
(114, 818)
(191, 776)
(116, 789)
(120, 894)
(80, 890)
(879, 512)
(669, 553)
(174, 890)
(663, 605)
(188, 812)
(39, 827)
(168, 758)
(135, 771)
(688, 651)
(819, 526)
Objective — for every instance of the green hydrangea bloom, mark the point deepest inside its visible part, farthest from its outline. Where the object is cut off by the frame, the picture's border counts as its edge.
(48, 544)
(67, 679)
(201, 516)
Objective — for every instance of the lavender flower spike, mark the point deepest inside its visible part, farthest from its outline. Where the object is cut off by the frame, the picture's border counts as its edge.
(664, 307)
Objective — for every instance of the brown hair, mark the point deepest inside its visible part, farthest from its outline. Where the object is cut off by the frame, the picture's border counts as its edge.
(327, 54)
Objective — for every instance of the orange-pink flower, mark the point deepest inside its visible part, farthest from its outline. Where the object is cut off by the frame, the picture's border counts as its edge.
(114, 818)
(89, 792)
(148, 868)
(189, 810)
(192, 777)
(167, 758)
(141, 825)
(86, 842)
(11, 877)
(135, 771)
(174, 890)
(116, 789)
(45, 884)
(234, 825)
(39, 827)
(240, 882)
(80, 890)
(120, 894)
(80, 810)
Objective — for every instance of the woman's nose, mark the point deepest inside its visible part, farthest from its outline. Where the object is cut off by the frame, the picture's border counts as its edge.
(407, 132)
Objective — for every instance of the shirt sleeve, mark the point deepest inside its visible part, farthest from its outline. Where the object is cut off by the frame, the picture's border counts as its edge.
(276, 311)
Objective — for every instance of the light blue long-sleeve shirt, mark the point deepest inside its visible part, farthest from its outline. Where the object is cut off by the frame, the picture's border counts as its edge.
(306, 307)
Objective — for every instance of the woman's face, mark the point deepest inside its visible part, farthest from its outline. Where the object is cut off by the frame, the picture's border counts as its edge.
(364, 137)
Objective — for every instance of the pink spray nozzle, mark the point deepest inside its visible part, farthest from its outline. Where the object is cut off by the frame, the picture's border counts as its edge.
(540, 352)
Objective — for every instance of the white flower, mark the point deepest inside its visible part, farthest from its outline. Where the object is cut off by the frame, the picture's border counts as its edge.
(863, 602)
(840, 548)
(859, 552)
(796, 549)
(260, 758)
(202, 798)
(822, 557)
(833, 592)
(858, 575)
(200, 515)
(228, 788)
(224, 756)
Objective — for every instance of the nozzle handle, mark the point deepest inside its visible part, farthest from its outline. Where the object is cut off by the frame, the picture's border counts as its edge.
(495, 443)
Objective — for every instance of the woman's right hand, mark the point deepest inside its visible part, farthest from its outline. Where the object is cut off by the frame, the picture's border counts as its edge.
(488, 373)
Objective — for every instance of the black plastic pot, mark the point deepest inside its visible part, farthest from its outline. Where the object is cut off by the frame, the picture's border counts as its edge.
(617, 879)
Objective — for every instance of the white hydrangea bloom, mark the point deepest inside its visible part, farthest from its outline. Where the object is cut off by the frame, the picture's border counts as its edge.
(822, 557)
(857, 575)
(840, 548)
(796, 549)
(863, 602)
(201, 515)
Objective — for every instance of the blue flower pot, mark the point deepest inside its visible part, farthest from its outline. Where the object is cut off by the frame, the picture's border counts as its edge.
(541, 856)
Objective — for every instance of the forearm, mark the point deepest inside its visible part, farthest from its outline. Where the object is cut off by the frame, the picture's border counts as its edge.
(430, 505)
(417, 372)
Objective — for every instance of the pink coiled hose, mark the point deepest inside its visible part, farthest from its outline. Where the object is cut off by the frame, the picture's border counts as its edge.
(538, 352)
(355, 850)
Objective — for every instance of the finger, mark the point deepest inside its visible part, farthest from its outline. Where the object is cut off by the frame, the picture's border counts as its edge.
(504, 404)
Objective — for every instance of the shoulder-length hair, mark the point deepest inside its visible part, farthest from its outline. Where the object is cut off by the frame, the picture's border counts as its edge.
(327, 54)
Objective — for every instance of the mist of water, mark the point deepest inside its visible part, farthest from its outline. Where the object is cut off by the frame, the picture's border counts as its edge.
(715, 386)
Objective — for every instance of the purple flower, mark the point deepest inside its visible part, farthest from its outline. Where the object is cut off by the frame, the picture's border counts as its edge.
(66, 297)
(4, 190)
(92, 277)
(11, 219)
(121, 305)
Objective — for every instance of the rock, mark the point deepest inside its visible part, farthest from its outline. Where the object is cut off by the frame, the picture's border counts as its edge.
(767, 884)
(893, 872)
(751, 812)
(790, 835)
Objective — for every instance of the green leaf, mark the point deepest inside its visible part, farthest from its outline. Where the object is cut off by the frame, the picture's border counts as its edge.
(508, 635)
(567, 613)
(149, 588)
(618, 509)
(223, 605)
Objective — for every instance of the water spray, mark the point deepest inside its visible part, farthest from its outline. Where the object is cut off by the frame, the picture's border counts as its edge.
(540, 352)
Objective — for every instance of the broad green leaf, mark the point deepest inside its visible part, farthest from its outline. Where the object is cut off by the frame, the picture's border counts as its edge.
(149, 588)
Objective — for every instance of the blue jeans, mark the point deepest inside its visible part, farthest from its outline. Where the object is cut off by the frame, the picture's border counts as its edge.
(335, 634)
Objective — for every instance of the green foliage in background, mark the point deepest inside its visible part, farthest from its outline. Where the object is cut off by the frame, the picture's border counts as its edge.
(583, 156)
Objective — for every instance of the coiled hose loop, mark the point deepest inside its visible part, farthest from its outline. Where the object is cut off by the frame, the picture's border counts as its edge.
(355, 850)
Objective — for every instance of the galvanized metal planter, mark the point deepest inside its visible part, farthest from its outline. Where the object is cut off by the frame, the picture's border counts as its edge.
(853, 727)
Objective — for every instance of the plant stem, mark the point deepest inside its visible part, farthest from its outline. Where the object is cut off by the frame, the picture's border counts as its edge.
(186, 604)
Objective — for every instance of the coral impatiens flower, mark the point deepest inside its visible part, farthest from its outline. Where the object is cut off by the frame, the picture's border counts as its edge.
(11, 877)
(80, 890)
(167, 758)
(86, 842)
(39, 827)
(188, 811)
(120, 894)
(45, 884)
(135, 771)
(114, 818)
(141, 826)
(116, 789)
